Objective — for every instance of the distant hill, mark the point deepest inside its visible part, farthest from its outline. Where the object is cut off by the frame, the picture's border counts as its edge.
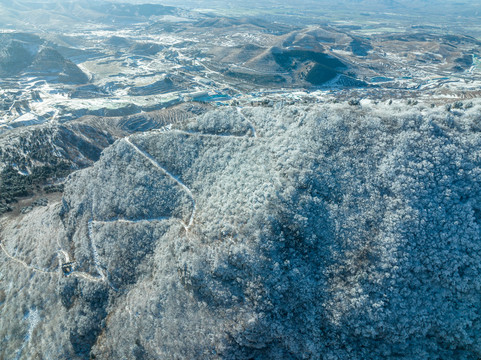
(19, 14)
(297, 58)
(27, 54)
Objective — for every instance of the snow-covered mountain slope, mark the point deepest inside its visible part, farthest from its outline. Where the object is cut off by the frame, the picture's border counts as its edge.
(36, 157)
(295, 232)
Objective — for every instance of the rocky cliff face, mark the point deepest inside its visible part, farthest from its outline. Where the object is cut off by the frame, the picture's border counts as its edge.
(328, 231)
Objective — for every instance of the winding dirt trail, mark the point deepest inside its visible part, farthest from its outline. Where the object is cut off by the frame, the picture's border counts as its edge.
(25, 265)
(173, 177)
(251, 125)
